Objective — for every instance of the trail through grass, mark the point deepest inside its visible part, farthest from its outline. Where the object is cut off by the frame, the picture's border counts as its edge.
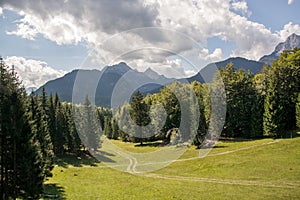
(260, 169)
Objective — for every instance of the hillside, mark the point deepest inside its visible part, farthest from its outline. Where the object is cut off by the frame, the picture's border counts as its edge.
(104, 81)
(239, 63)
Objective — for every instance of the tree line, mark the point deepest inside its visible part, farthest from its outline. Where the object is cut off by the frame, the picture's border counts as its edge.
(261, 105)
(36, 128)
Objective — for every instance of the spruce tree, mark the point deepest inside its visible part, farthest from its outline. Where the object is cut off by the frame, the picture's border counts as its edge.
(202, 126)
(107, 127)
(40, 129)
(90, 125)
(298, 111)
(139, 114)
(283, 88)
(114, 129)
(20, 153)
(73, 140)
(61, 130)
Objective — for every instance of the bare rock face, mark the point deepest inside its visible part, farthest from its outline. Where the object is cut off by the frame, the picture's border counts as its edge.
(291, 42)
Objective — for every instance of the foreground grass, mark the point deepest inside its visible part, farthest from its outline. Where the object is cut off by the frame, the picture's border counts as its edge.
(263, 171)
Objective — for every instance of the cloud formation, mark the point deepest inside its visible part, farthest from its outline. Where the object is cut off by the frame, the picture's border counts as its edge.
(241, 6)
(290, 2)
(33, 73)
(92, 21)
(217, 55)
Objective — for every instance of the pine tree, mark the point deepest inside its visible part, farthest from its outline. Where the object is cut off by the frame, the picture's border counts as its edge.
(139, 114)
(90, 126)
(283, 88)
(107, 127)
(114, 129)
(202, 127)
(240, 93)
(61, 130)
(74, 142)
(123, 119)
(298, 111)
(18, 147)
(39, 124)
(257, 110)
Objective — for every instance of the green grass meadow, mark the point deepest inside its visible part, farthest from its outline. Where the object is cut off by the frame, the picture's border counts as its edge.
(254, 169)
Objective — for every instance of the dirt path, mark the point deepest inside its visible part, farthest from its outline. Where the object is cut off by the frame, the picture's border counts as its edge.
(133, 162)
(225, 181)
(229, 152)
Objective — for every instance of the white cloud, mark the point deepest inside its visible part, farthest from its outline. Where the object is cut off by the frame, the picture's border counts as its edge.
(190, 73)
(95, 22)
(1, 11)
(33, 73)
(289, 29)
(217, 55)
(290, 2)
(241, 6)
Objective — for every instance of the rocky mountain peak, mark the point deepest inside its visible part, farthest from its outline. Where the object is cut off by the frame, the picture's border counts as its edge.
(291, 42)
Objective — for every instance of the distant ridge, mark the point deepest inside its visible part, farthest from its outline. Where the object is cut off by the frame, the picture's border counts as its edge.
(106, 79)
(110, 75)
(291, 42)
(206, 74)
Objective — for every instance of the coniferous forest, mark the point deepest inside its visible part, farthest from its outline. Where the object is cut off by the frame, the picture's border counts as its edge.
(36, 129)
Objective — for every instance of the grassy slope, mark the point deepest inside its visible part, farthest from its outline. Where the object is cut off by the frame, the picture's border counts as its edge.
(269, 171)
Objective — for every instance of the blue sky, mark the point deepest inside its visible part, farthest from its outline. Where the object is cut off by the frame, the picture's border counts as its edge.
(274, 13)
(61, 34)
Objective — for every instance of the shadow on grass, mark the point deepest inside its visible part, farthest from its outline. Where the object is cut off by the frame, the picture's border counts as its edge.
(150, 144)
(220, 147)
(71, 160)
(286, 135)
(53, 191)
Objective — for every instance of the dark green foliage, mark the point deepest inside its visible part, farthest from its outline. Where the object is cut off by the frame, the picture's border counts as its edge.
(90, 126)
(73, 140)
(19, 146)
(140, 114)
(202, 126)
(298, 112)
(107, 127)
(242, 102)
(122, 119)
(39, 124)
(114, 129)
(257, 111)
(282, 92)
(256, 118)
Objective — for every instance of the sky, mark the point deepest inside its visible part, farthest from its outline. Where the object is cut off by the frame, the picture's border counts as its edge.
(46, 39)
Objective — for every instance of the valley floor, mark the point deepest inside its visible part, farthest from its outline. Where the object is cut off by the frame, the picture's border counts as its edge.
(256, 169)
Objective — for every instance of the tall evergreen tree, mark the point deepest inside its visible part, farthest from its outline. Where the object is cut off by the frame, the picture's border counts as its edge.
(74, 143)
(18, 147)
(90, 125)
(61, 130)
(107, 127)
(298, 112)
(239, 96)
(283, 88)
(114, 129)
(39, 124)
(202, 126)
(139, 114)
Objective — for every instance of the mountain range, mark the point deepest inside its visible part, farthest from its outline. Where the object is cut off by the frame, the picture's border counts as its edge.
(101, 83)
(292, 42)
